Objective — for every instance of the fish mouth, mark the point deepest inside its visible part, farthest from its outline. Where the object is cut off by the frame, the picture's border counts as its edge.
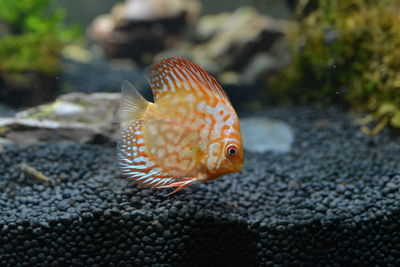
(237, 168)
(228, 166)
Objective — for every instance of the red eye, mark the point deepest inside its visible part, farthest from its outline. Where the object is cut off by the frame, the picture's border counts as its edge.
(231, 150)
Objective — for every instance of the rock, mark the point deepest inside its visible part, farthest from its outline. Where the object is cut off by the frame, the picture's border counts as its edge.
(77, 52)
(233, 39)
(76, 117)
(261, 135)
(139, 28)
(67, 109)
(159, 9)
(304, 8)
(239, 48)
(264, 64)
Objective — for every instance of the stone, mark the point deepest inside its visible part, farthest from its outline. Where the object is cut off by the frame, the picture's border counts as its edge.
(236, 37)
(139, 28)
(238, 48)
(262, 135)
(74, 117)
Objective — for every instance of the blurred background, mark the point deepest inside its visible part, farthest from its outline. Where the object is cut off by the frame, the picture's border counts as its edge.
(85, 11)
(316, 85)
(54, 54)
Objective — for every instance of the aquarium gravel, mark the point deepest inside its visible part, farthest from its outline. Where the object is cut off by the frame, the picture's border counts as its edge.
(333, 200)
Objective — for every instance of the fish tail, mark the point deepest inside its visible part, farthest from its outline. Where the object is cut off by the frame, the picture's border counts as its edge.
(133, 104)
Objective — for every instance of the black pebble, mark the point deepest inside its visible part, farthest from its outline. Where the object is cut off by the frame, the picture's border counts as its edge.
(332, 200)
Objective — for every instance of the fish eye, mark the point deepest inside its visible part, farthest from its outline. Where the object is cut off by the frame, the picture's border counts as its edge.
(231, 150)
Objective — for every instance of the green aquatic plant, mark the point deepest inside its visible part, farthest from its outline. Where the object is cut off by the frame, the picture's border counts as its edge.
(30, 52)
(32, 35)
(35, 17)
(348, 52)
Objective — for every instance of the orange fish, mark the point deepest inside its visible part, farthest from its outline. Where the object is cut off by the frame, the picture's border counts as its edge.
(190, 133)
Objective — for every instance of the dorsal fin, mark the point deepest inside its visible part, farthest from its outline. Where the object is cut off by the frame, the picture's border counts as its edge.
(173, 74)
(133, 105)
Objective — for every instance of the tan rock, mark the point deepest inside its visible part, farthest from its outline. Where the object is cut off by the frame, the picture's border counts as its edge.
(78, 117)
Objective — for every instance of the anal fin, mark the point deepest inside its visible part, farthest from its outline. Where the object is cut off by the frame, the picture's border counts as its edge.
(181, 184)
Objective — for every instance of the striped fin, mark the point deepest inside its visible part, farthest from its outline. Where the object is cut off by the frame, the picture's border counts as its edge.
(136, 165)
(134, 162)
(133, 105)
(173, 74)
(179, 185)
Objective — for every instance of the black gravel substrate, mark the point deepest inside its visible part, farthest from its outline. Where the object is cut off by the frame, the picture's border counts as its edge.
(333, 201)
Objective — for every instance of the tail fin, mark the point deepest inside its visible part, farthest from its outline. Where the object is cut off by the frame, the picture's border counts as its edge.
(133, 105)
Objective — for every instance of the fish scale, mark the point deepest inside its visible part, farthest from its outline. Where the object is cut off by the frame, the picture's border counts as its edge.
(171, 140)
(185, 135)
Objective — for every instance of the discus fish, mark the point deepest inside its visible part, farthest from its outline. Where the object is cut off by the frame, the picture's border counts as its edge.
(190, 133)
